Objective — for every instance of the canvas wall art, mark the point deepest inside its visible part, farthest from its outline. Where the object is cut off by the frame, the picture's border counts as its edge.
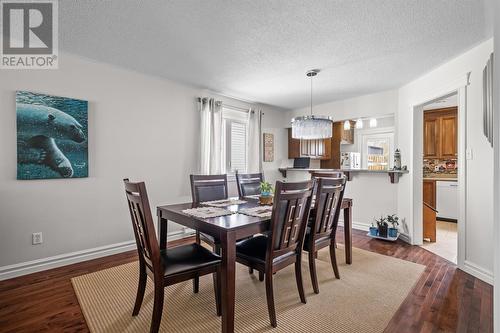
(52, 136)
(268, 147)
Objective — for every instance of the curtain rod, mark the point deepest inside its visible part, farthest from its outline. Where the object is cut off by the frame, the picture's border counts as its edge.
(235, 108)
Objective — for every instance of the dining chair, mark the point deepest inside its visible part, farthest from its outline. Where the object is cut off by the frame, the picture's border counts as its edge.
(249, 183)
(207, 188)
(283, 245)
(165, 267)
(317, 175)
(322, 230)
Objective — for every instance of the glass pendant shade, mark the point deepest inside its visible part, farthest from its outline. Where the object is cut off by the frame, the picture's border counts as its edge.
(312, 127)
(347, 125)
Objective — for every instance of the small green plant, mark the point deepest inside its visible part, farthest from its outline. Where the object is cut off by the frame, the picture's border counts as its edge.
(381, 222)
(266, 188)
(393, 219)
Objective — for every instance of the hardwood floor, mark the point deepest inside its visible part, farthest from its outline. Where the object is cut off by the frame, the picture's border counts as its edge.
(445, 299)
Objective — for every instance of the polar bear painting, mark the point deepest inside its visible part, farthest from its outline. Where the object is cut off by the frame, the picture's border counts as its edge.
(51, 136)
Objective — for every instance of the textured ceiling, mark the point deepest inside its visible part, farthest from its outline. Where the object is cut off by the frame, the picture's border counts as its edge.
(260, 50)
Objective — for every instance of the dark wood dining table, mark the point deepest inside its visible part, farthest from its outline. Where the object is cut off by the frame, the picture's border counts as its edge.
(227, 229)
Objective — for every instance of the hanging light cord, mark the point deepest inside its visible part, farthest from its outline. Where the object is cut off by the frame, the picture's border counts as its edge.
(311, 95)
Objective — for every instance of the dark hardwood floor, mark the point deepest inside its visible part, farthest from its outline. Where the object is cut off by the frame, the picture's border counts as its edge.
(445, 299)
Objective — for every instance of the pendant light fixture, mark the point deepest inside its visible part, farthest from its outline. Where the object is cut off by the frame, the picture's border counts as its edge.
(312, 127)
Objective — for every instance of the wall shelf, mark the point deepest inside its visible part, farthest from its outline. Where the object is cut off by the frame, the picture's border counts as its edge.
(393, 174)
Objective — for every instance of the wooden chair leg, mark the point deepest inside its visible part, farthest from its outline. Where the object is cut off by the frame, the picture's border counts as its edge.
(157, 308)
(141, 287)
(312, 270)
(217, 289)
(298, 277)
(196, 284)
(333, 258)
(261, 276)
(270, 299)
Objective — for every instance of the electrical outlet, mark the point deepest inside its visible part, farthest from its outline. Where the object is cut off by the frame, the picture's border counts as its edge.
(36, 238)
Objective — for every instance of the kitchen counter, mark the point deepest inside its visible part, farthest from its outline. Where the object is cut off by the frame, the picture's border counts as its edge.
(441, 179)
(393, 174)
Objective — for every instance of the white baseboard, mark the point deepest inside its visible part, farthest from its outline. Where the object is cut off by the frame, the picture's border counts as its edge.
(356, 225)
(33, 266)
(478, 272)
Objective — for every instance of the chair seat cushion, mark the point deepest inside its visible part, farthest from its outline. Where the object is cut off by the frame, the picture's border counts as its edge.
(307, 239)
(185, 258)
(253, 248)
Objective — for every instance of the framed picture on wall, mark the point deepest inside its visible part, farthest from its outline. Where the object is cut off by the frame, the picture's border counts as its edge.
(52, 136)
(268, 147)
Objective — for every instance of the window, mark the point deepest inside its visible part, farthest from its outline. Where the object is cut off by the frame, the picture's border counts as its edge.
(377, 150)
(234, 141)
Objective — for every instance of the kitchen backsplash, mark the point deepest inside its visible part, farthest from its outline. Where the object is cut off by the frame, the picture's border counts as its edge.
(437, 167)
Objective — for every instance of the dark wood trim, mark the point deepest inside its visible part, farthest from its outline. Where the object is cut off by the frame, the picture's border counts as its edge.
(445, 299)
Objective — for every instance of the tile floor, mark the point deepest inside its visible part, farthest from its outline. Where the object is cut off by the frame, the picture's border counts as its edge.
(446, 241)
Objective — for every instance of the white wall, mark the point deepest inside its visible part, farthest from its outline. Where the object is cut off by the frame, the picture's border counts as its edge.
(140, 127)
(496, 304)
(479, 170)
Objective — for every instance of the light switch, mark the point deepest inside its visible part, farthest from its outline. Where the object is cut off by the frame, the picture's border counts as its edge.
(468, 154)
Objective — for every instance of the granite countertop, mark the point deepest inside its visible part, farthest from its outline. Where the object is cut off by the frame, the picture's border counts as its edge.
(441, 179)
(443, 176)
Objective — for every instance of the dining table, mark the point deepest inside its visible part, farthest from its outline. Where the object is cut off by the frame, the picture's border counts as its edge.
(227, 230)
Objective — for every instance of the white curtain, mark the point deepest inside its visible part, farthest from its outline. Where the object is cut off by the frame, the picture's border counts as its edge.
(210, 136)
(254, 141)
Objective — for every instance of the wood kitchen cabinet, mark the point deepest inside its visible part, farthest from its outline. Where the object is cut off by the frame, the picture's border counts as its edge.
(315, 149)
(429, 191)
(449, 136)
(431, 137)
(333, 162)
(293, 146)
(440, 133)
(347, 136)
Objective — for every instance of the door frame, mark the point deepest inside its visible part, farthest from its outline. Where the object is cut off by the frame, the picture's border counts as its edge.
(459, 87)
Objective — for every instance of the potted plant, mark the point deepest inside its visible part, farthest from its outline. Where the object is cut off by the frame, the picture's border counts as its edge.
(394, 220)
(373, 230)
(266, 191)
(382, 227)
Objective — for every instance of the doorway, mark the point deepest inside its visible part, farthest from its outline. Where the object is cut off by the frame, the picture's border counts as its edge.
(440, 177)
(449, 230)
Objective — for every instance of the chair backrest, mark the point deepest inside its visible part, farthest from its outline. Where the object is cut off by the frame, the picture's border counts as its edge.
(292, 202)
(329, 195)
(325, 174)
(249, 183)
(208, 187)
(142, 222)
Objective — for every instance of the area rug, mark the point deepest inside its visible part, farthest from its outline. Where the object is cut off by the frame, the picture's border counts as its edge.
(363, 300)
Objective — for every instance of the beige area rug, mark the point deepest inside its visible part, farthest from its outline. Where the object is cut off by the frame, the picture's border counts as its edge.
(363, 300)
